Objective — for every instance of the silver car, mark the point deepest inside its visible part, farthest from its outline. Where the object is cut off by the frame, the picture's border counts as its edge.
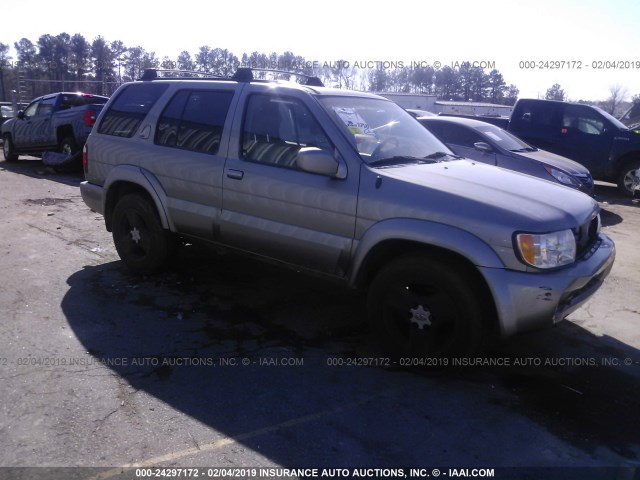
(347, 185)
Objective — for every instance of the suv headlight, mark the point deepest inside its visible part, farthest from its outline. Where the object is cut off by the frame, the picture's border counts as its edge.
(547, 250)
(563, 177)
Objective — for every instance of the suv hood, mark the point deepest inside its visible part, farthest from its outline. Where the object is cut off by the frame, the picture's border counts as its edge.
(489, 201)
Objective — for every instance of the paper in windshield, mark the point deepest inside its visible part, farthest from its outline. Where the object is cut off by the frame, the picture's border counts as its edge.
(354, 122)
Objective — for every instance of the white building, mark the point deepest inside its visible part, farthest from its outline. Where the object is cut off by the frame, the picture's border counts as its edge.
(429, 103)
(472, 108)
(415, 101)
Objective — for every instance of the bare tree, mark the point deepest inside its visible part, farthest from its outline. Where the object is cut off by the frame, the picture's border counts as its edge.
(185, 62)
(512, 95)
(342, 75)
(618, 95)
(72, 58)
(555, 92)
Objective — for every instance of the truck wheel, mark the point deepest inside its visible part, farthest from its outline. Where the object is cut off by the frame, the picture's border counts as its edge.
(627, 176)
(143, 245)
(420, 306)
(69, 146)
(8, 150)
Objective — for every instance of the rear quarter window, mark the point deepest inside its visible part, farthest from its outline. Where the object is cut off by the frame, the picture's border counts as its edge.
(127, 111)
(193, 120)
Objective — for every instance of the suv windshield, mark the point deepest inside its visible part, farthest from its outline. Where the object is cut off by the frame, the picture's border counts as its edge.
(381, 130)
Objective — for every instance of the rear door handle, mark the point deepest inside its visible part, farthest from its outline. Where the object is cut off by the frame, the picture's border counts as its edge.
(235, 174)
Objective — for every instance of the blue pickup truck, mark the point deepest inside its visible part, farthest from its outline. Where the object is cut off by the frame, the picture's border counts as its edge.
(586, 134)
(58, 122)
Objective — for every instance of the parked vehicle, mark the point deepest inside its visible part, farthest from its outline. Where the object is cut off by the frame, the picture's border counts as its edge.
(583, 133)
(6, 112)
(414, 112)
(631, 118)
(487, 143)
(58, 122)
(497, 120)
(349, 185)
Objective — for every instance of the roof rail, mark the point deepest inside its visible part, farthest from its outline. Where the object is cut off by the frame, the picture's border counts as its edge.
(156, 73)
(245, 74)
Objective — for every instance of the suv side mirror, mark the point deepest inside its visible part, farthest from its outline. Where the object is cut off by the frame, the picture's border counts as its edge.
(483, 147)
(20, 115)
(315, 160)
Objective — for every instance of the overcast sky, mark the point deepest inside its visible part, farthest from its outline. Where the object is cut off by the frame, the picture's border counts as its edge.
(601, 37)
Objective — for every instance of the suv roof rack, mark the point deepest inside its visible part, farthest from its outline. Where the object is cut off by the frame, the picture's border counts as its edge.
(243, 74)
(157, 73)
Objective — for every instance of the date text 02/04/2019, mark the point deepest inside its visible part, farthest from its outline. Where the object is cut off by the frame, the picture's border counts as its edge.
(286, 473)
(579, 65)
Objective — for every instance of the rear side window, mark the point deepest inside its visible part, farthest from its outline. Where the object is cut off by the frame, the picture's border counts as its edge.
(80, 99)
(542, 116)
(582, 120)
(127, 111)
(194, 120)
(459, 135)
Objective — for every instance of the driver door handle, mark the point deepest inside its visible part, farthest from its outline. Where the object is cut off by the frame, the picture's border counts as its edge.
(235, 174)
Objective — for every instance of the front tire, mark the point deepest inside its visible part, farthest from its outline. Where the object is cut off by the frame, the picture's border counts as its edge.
(8, 149)
(143, 245)
(421, 307)
(627, 176)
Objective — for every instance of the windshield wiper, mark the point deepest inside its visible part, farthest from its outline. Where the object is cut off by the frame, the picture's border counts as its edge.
(438, 155)
(403, 159)
(527, 149)
(395, 160)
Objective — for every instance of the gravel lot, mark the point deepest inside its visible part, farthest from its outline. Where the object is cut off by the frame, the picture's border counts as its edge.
(226, 362)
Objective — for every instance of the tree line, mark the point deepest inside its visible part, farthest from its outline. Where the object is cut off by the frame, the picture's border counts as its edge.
(70, 62)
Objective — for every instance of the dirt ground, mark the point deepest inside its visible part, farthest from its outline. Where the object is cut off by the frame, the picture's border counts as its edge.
(223, 362)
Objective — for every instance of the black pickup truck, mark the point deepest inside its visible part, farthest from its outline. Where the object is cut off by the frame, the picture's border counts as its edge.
(59, 122)
(586, 134)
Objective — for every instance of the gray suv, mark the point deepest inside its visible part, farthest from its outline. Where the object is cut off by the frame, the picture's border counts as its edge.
(345, 184)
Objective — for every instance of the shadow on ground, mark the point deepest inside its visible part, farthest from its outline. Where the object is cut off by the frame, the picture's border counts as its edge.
(34, 168)
(211, 307)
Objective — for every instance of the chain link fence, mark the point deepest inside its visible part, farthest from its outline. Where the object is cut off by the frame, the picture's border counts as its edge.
(30, 88)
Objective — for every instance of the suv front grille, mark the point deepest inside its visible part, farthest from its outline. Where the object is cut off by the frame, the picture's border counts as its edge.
(587, 235)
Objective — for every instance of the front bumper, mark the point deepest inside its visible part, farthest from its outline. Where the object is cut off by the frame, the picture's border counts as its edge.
(529, 300)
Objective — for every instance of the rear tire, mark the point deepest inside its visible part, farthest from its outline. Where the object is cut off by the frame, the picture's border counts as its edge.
(421, 307)
(69, 146)
(143, 245)
(626, 177)
(8, 149)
